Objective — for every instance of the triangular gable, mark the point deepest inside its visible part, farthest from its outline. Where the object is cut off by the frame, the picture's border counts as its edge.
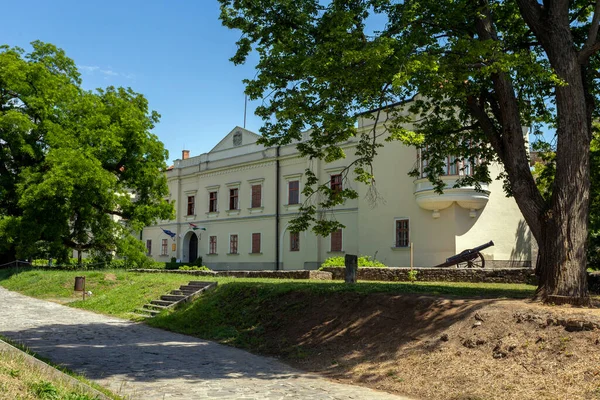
(236, 138)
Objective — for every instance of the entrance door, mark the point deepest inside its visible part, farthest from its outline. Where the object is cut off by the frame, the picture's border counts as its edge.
(193, 248)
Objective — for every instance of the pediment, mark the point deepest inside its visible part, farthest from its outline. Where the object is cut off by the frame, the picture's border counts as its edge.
(236, 138)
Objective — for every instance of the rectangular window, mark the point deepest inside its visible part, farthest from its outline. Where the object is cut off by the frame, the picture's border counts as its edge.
(336, 240)
(256, 196)
(149, 247)
(212, 202)
(191, 205)
(233, 244)
(256, 243)
(452, 165)
(233, 199)
(212, 245)
(293, 192)
(402, 236)
(336, 183)
(294, 241)
(164, 248)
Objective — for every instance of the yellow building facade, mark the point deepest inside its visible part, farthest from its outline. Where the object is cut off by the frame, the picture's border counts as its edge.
(234, 204)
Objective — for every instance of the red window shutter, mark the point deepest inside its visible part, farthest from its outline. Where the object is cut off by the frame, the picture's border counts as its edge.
(256, 196)
(336, 240)
(256, 242)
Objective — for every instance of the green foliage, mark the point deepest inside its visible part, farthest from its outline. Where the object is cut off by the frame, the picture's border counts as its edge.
(454, 78)
(78, 170)
(412, 275)
(45, 390)
(363, 261)
(193, 268)
(98, 264)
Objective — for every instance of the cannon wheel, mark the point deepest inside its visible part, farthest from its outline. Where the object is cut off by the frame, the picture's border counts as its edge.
(477, 262)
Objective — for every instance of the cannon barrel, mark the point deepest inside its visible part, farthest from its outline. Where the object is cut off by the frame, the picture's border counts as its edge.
(484, 246)
(468, 254)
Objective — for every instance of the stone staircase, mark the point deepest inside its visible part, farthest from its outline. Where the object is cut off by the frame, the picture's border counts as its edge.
(184, 294)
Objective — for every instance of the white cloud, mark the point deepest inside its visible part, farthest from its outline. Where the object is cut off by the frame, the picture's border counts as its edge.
(107, 72)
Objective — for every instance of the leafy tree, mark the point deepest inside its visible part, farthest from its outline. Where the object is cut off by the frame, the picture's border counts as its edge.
(78, 169)
(483, 69)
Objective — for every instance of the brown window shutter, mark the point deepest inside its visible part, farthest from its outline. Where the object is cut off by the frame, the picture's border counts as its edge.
(336, 240)
(256, 195)
(256, 242)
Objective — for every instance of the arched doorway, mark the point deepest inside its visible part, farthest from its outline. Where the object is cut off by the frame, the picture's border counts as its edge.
(193, 248)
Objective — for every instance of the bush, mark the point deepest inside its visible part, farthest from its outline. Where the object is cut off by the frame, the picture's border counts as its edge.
(193, 268)
(363, 261)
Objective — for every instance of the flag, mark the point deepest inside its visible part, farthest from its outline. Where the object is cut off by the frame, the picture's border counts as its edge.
(196, 227)
(168, 232)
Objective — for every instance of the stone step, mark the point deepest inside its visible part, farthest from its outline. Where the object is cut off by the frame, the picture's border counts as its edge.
(155, 307)
(199, 284)
(191, 288)
(162, 302)
(183, 292)
(148, 311)
(143, 315)
(172, 297)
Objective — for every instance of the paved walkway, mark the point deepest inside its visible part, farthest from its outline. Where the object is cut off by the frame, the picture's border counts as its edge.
(141, 362)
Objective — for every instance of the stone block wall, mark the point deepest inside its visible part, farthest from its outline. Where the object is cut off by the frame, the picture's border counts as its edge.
(300, 274)
(489, 275)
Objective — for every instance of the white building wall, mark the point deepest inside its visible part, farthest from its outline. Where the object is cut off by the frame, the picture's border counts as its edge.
(369, 225)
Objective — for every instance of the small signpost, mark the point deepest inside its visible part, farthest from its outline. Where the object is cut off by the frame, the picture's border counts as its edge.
(351, 262)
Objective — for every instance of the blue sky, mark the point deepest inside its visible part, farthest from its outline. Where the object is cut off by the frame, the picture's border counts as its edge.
(176, 53)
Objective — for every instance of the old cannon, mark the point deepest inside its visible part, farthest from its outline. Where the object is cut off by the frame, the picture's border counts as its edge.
(471, 258)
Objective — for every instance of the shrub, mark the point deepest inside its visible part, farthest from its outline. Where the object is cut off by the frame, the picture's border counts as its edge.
(412, 275)
(193, 268)
(363, 261)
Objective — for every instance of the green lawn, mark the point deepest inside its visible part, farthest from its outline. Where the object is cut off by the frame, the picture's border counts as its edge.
(118, 292)
(22, 379)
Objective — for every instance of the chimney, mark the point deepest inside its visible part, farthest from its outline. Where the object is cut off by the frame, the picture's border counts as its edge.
(185, 154)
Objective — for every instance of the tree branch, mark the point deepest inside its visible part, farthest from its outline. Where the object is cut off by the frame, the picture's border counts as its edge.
(587, 52)
(593, 32)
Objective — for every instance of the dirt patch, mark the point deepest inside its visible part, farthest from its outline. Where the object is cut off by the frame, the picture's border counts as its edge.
(438, 348)
(110, 277)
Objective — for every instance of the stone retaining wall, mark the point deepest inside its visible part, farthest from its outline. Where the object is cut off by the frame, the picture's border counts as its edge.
(301, 274)
(489, 275)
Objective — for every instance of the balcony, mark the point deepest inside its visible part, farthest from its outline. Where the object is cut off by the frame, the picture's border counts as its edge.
(466, 197)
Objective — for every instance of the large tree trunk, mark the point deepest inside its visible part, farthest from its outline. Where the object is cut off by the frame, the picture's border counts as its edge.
(563, 239)
(561, 229)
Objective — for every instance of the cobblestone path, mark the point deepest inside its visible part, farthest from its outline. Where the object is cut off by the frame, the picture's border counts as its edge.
(141, 362)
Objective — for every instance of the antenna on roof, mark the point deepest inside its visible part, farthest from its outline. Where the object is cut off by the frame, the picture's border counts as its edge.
(245, 107)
